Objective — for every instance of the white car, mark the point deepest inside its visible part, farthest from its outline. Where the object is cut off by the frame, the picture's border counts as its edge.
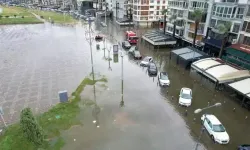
(215, 129)
(163, 79)
(146, 61)
(185, 97)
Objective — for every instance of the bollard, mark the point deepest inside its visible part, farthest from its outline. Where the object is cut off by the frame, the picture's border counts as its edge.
(234, 109)
(194, 119)
(208, 103)
(186, 112)
(167, 92)
(172, 97)
(246, 117)
(182, 73)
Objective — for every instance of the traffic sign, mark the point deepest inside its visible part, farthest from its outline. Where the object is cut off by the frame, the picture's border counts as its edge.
(115, 49)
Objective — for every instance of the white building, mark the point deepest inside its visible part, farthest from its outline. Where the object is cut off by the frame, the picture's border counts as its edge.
(145, 12)
(185, 24)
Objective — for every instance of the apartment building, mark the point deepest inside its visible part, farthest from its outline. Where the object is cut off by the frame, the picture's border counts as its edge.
(146, 12)
(245, 31)
(185, 23)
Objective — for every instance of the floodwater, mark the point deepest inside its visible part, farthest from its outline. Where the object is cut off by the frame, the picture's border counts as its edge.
(150, 117)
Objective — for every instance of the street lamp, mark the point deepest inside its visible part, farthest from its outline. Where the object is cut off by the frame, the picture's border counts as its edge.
(122, 102)
(202, 127)
(109, 59)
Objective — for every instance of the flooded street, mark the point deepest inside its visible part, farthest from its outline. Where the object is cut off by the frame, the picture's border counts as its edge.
(37, 61)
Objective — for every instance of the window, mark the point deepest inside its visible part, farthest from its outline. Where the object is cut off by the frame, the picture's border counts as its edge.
(151, 1)
(218, 128)
(151, 6)
(236, 28)
(151, 12)
(248, 11)
(244, 26)
(240, 13)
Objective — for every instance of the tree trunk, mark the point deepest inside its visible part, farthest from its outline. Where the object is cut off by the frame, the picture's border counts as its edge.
(195, 32)
(174, 28)
(223, 45)
(164, 24)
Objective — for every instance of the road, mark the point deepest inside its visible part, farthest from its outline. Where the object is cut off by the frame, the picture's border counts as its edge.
(40, 60)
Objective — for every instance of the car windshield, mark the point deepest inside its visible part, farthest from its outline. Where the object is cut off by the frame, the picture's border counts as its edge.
(127, 43)
(218, 128)
(185, 96)
(152, 66)
(164, 77)
(146, 59)
(137, 53)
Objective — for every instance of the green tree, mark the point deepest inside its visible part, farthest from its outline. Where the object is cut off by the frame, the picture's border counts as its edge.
(164, 12)
(223, 29)
(197, 15)
(31, 130)
(173, 20)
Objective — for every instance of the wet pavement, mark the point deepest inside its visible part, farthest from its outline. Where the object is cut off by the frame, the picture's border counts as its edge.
(40, 60)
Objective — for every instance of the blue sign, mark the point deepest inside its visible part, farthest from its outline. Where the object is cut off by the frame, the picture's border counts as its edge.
(115, 49)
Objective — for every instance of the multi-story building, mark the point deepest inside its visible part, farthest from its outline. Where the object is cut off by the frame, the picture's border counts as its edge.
(245, 31)
(146, 12)
(185, 23)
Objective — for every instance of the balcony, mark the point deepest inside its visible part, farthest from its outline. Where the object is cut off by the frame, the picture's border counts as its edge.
(199, 31)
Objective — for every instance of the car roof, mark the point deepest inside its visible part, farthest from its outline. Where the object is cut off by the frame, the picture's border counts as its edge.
(213, 119)
(186, 90)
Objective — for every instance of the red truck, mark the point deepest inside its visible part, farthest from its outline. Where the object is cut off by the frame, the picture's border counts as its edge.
(131, 37)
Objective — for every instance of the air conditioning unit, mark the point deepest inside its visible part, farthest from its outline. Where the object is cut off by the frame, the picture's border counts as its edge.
(234, 41)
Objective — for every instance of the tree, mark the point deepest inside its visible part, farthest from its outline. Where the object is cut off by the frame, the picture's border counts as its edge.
(224, 29)
(31, 130)
(197, 15)
(173, 20)
(164, 12)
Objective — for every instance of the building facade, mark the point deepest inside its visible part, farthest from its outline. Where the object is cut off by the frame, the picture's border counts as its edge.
(146, 12)
(185, 23)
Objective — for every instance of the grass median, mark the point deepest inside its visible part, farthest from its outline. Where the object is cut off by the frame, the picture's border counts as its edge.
(56, 17)
(17, 15)
(58, 118)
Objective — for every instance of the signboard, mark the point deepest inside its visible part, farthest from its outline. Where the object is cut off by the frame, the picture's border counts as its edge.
(1, 111)
(115, 49)
(1, 10)
(115, 58)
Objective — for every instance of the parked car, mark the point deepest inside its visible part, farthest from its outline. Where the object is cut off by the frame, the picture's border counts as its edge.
(185, 97)
(152, 69)
(146, 61)
(137, 54)
(215, 129)
(132, 49)
(163, 79)
(244, 147)
(126, 45)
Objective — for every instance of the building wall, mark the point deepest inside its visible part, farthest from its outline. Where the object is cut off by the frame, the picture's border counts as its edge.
(145, 12)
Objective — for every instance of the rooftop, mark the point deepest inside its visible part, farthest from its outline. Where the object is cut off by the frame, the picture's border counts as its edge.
(218, 71)
(242, 86)
(214, 120)
(241, 47)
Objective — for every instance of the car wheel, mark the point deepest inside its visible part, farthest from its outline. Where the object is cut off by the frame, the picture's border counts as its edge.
(213, 138)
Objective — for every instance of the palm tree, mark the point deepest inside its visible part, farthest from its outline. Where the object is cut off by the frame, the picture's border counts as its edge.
(197, 15)
(164, 12)
(173, 20)
(223, 29)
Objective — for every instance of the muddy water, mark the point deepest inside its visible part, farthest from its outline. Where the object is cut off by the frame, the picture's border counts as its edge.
(150, 118)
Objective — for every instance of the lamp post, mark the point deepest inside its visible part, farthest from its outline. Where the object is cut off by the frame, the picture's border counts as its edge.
(109, 59)
(202, 126)
(122, 102)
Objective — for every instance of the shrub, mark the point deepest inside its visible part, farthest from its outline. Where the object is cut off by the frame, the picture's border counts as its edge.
(15, 16)
(22, 16)
(6, 16)
(31, 130)
(41, 17)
